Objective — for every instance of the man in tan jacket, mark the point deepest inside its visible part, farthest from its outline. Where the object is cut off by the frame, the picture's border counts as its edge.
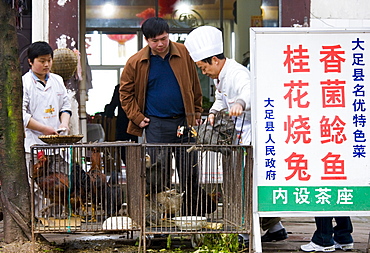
(160, 93)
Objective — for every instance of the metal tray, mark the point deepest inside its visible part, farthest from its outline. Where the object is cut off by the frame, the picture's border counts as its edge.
(60, 139)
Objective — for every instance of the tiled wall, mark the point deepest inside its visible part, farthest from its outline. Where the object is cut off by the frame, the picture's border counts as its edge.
(340, 23)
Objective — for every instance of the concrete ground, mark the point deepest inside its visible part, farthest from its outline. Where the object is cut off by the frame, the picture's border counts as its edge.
(300, 230)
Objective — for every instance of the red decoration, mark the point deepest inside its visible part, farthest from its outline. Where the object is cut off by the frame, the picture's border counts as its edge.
(166, 7)
(121, 38)
(145, 14)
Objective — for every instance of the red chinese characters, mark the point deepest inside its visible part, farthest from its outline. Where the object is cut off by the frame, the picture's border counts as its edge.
(298, 129)
(332, 59)
(333, 94)
(299, 94)
(333, 167)
(298, 125)
(296, 59)
(298, 165)
(332, 132)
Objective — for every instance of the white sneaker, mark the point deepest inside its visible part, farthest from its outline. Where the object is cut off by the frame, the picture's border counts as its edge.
(313, 247)
(345, 246)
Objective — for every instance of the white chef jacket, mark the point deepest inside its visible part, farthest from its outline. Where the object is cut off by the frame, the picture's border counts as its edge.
(234, 84)
(43, 104)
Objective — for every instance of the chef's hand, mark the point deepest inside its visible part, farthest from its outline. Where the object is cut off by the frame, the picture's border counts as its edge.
(63, 129)
(47, 130)
(211, 119)
(144, 123)
(236, 110)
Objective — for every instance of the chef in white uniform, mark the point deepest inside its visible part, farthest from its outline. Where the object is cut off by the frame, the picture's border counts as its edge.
(232, 80)
(46, 107)
(233, 84)
(45, 104)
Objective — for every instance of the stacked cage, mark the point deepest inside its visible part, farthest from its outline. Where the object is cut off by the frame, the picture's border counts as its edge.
(161, 189)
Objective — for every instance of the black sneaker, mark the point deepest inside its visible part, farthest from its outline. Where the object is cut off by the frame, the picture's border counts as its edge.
(275, 236)
(243, 243)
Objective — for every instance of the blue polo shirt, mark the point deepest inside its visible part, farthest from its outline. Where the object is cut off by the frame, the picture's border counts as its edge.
(163, 98)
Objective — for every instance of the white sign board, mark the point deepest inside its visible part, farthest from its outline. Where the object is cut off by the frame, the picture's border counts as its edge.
(311, 121)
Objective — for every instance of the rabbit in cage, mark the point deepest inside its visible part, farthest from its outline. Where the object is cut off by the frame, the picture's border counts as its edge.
(154, 212)
(171, 200)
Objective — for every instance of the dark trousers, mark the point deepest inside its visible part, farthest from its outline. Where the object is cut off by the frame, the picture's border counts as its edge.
(164, 130)
(269, 222)
(323, 235)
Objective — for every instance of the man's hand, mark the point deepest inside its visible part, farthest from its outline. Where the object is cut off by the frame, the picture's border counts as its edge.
(236, 110)
(211, 119)
(198, 121)
(144, 123)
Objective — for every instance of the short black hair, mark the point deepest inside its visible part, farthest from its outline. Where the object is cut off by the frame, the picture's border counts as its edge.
(39, 48)
(152, 27)
(209, 59)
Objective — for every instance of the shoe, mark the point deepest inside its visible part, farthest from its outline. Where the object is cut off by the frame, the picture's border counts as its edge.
(243, 241)
(275, 236)
(344, 246)
(313, 247)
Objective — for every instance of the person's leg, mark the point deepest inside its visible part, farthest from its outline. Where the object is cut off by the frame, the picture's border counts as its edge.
(122, 135)
(159, 173)
(38, 195)
(195, 199)
(342, 233)
(322, 239)
(343, 230)
(268, 222)
(275, 229)
(188, 181)
(164, 131)
(123, 154)
(323, 235)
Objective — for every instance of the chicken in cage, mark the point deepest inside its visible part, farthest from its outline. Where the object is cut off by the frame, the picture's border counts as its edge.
(72, 191)
(221, 133)
(163, 192)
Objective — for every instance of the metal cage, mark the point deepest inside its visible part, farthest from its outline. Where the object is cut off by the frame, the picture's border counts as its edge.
(150, 188)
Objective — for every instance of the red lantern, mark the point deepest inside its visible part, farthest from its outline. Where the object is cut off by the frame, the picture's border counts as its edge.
(145, 14)
(121, 39)
(166, 7)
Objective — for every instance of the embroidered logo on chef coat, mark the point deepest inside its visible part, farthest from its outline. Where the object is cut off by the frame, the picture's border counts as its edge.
(50, 110)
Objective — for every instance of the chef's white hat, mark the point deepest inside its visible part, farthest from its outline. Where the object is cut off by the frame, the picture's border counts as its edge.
(204, 42)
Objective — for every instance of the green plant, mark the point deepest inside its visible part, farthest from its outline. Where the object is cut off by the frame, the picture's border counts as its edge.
(169, 242)
(219, 243)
